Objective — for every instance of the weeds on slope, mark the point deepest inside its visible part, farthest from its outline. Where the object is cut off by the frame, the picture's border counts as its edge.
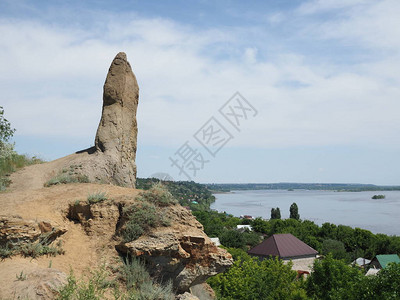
(147, 213)
(132, 282)
(11, 161)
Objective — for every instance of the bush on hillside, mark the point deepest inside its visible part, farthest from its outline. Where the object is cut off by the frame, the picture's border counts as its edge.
(97, 197)
(43, 246)
(11, 161)
(71, 175)
(98, 285)
(159, 195)
(148, 213)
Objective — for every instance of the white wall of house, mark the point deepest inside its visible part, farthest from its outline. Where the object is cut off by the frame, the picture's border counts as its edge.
(302, 264)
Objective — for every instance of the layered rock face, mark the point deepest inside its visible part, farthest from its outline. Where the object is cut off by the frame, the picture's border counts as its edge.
(21, 236)
(117, 132)
(185, 258)
(181, 252)
(14, 229)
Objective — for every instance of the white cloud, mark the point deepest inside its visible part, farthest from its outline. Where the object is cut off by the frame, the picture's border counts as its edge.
(372, 23)
(250, 55)
(53, 76)
(276, 18)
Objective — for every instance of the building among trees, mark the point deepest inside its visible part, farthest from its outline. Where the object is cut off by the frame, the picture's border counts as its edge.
(288, 248)
(381, 261)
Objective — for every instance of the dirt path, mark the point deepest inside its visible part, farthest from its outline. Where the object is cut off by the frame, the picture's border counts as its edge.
(33, 177)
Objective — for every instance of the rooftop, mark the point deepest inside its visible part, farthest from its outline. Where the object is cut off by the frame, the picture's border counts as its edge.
(284, 246)
(385, 259)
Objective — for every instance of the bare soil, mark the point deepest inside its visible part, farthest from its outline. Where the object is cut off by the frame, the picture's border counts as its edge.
(27, 197)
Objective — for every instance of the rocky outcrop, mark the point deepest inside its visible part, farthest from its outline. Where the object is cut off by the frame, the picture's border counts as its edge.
(203, 291)
(112, 159)
(96, 219)
(117, 132)
(14, 229)
(186, 259)
(186, 296)
(40, 283)
(182, 253)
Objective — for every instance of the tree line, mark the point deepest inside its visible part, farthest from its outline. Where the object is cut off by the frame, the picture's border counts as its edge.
(294, 212)
(332, 278)
(188, 193)
(344, 242)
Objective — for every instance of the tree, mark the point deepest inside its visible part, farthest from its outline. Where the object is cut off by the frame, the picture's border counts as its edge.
(6, 132)
(333, 279)
(386, 285)
(294, 212)
(260, 225)
(232, 238)
(275, 213)
(251, 278)
(336, 248)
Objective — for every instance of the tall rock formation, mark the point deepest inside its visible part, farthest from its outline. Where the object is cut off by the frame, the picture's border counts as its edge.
(117, 132)
(112, 159)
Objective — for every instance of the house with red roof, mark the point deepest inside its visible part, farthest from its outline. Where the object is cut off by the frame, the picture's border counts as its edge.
(286, 247)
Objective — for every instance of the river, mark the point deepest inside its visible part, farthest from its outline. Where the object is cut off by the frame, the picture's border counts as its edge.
(355, 209)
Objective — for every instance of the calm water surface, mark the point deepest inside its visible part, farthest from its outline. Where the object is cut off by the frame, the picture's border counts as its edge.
(355, 209)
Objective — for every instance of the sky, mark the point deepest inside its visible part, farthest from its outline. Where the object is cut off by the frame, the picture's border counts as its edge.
(230, 91)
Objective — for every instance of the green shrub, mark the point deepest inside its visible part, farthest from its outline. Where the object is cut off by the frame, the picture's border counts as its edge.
(43, 246)
(232, 238)
(63, 178)
(39, 248)
(132, 231)
(4, 183)
(237, 253)
(68, 290)
(151, 290)
(139, 285)
(141, 218)
(148, 213)
(252, 238)
(10, 161)
(95, 287)
(159, 195)
(97, 197)
(21, 276)
(336, 248)
(7, 250)
(251, 279)
(134, 273)
(333, 279)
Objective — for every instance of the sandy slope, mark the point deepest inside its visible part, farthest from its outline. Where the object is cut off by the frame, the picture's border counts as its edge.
(33, 177)
(27, 198)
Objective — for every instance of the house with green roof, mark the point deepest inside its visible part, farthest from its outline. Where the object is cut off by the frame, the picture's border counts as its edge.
(381, 261)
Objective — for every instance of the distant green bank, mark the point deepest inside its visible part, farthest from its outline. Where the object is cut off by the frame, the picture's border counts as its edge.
(189, 193)
(340, 187)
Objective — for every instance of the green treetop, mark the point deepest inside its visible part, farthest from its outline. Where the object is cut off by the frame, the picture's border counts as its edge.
(6, 132)
(294, 211)
(275, 213)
